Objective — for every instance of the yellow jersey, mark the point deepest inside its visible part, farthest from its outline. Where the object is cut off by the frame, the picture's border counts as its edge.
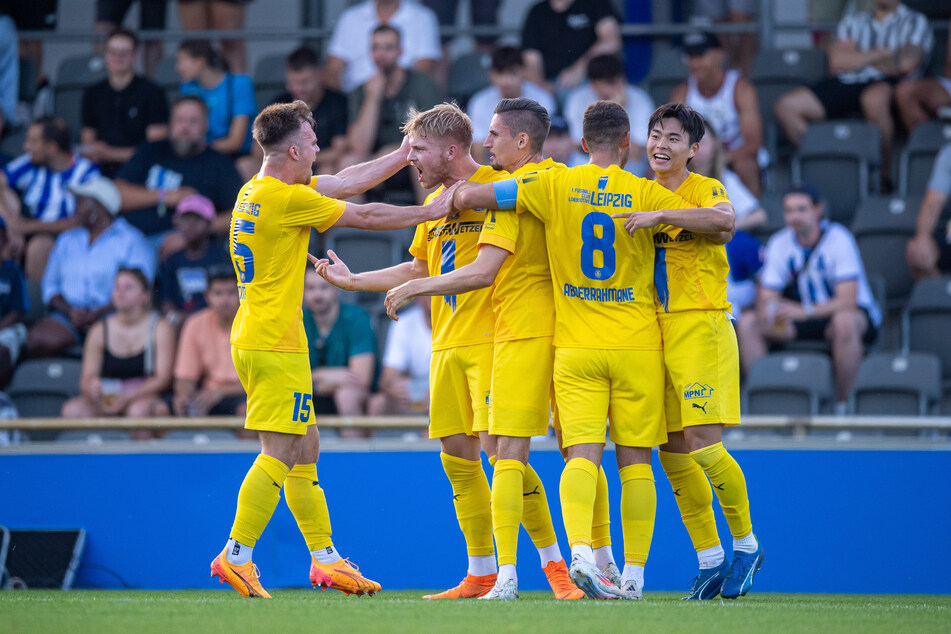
(447, 244)
(690, 271)
(602, 276)
(522, 296)
(270, 230)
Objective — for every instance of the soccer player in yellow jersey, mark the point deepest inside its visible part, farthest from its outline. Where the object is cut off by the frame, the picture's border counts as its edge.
(523, 352)
(270, 229)
(463, 329)
(700, 354)
(608, 359)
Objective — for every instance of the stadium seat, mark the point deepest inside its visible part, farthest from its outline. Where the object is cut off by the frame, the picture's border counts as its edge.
(269, 79)
(167, 78)
(914, 167)
(882, 227)
(772, 204)
(41, 386)
(365, 250)
(94, 436)
(789, 384)
(668, 69)
(897, 385)
(841, 158)
(27, 79)
(468, 74)
(926, 323)
(201, 436)
(75, 74)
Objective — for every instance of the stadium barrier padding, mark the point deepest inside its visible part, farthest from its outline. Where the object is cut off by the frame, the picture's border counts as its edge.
(850, 521)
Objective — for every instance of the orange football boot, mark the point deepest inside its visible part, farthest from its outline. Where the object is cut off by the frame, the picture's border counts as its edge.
(244, 578)
(560, 582)
(341, 575)
(469, 588)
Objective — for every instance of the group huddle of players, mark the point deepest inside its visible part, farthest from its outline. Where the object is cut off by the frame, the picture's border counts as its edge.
(576, 295)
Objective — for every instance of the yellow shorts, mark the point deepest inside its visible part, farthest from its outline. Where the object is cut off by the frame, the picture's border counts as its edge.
(521, 387)
(623, 385)
(703, 369)
(280, 389)
(460, 381)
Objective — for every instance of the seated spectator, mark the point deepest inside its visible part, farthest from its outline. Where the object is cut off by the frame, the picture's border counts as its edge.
(206, 383)
(341, 343)
(404, 382)
(9, 69)
(745, 254)
(127, 358)
(80, 275)
(872, 50)
(4, 157)
(14, 305)
(42, 176)
(507, 74)
(559, 37)
(921, 100)
(123, 110)
(740, 47)
(606, 81)
(728, 102)
(812, 286)
(110, 14)
(710, 160)
(559, 146)
(230, 98)
(218, 15)
(163, 173)
(481, 14)
(929, 251)
(185, 272)
(349, 63)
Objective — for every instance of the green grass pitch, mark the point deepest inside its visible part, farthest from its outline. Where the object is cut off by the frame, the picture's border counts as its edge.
(189, 611)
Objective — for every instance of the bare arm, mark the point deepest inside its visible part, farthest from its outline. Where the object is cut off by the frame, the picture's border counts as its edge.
(362, 366)
(751, 220)
(356, 179)
(338, 273)
(362, 132)
(751, 123)
(382, 217)
(475, 196)
(89, 381)
(702, 220)
(237, 133)
(28, 226)
(333, 72)
(164, 360)
(156, 132)
(608, 43)
(185, 389)
(845, 56)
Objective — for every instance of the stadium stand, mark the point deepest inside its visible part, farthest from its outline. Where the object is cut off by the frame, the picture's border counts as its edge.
(668, 69)
(468, 74)
(927, 322)
(882, 228)
(74, 76)
(897, 384)
(924, 142)
(269, 79)
(167, 78)
(41, 386)
(791, 384)
(772, 204)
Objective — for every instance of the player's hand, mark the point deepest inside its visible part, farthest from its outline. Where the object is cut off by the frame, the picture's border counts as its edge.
(441, 205)
(333, 270)
(404, 150)
(398, 297)
(639, 220)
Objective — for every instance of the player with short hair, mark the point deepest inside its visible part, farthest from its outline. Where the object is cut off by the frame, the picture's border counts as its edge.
(463, 328)
(270, 229)
(522, 353)
(703, 374)
(608, 359)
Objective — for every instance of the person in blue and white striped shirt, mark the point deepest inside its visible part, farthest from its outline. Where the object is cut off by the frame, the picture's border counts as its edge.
(42, 177)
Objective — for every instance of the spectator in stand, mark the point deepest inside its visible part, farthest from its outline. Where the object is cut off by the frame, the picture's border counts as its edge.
(929, 251)
(4, 157)
(34, 15)
(607, 81)
(559, 146)
(404, 382)
(218, 15)
(349, 63)
(745, 254)
(127, 357)
(507, 74)
(921, 100)
(42, 176)
(728, 102)
(111, 13)
(82, 267)
(14, 305)
(560, 37)
(341, 343)
(9, 70)
(872, 51)
(230, 97)
(206, 383)
(482, 14)
(122, 111)
(812, 286)
(163, 173)
(185, 273)
(740, 47)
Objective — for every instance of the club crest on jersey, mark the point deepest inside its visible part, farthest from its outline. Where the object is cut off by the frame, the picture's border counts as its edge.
(697, 390)
(602, 183)
(719, 192)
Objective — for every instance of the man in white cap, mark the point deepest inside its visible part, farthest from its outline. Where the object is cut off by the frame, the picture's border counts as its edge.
(77, 284)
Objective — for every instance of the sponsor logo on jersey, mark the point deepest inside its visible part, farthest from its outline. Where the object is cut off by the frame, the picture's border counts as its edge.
(697, 390)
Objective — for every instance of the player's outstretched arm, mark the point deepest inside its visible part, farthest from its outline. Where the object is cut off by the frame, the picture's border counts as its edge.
(479, 274)
(336, 271)
(382, 217)
(498, 195)
(704, 220)
(357, 179)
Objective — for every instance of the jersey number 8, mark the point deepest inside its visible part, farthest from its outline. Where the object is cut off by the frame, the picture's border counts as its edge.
(590, 243)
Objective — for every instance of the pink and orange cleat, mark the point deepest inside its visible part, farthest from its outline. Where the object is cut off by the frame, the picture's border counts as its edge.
(473, 586)
(244, 578)
(342, 576)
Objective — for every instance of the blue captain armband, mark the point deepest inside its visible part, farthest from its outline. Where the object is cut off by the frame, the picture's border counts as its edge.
(506, 193)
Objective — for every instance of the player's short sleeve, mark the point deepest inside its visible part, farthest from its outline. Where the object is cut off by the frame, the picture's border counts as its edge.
(307, 208)
(941, 172)
(534, 194)
(500, 229)
(712, 192)
(774, 274)
(847, 264)
(187, 361)
(655, 197)
(418, 248)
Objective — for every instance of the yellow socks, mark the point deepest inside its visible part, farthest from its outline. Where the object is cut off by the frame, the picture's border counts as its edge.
(507, 508)
(306, 500)
(257, 498)
(536, 516)
(638, 507)
(472, 499)
(694, 498)
(601, 526)
(729, 485)
(579, 485)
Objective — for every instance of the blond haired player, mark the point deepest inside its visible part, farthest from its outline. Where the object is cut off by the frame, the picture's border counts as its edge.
(523, 352)
(270, 229)
(463, 329)
(608, 359)
(702, 361)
